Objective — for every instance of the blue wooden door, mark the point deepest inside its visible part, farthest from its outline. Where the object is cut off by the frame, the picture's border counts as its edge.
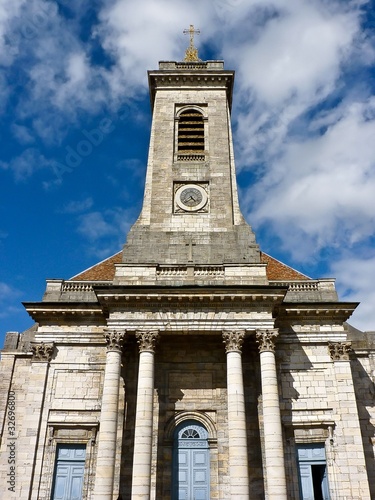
(191, 463)
(313, 472)
(69, 472)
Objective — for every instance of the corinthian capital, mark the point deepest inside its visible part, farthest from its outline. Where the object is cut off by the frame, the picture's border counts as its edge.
(147, 340)
(339, 351)
(115, 339)
(42, 351)
(266, 340)
(233, 340)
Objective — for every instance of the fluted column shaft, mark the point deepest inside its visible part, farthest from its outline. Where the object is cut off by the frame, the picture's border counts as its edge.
(273, 436)
(144, 414)
(238, 459)
(106, 456)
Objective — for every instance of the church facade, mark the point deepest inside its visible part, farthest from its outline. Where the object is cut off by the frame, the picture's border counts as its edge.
(190, 365)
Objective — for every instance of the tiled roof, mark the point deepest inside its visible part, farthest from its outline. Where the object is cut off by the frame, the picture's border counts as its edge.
(277, 271)
(105, 270)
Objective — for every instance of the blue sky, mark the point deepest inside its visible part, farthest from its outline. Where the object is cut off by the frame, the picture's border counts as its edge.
(75, 123)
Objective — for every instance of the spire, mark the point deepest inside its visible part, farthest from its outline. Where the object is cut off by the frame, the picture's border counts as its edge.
(191, 54)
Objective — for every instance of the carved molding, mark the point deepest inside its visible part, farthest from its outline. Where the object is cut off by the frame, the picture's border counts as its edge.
(339, 351)
(147, 340)
(233, 340)
(115, 339)
(266, 340)
(42, 351)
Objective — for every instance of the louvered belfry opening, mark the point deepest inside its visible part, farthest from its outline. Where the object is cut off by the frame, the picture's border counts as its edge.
(191, 132)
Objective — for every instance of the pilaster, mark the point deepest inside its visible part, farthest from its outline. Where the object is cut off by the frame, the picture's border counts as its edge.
(348, 454)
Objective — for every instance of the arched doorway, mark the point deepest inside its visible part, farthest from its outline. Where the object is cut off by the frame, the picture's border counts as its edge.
(191, 462)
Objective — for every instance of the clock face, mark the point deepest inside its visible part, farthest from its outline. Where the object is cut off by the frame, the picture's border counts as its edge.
(191, 197)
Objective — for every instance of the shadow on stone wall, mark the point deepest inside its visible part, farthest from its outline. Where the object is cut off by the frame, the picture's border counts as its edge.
(365, 396)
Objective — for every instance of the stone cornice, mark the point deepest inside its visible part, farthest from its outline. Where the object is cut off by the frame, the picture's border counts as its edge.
(46, 312)
(305, 312)
(187, 79)
(113, 297)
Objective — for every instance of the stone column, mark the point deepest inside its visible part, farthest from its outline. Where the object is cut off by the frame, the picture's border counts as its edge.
(34, 404)
(348, 453)
(106, 456)
(273, 436)
(238, 459)
(144, 414)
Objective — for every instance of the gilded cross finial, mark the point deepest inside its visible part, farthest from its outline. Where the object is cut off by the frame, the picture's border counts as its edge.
(191, 54)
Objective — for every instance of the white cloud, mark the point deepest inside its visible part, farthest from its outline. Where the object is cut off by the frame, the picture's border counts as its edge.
(298, 53)
(6, 291)
(152, 31)
(106, 229)
(23, 134)
(356, 283)
(78, 206)
(322, 187)
(9, 14)
(26, 164)
(8, 295)
(135, 34)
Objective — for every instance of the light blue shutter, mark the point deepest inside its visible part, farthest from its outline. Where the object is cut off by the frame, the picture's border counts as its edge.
(312, 464)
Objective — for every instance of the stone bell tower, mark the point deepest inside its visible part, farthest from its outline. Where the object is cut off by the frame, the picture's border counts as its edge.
(190, 216)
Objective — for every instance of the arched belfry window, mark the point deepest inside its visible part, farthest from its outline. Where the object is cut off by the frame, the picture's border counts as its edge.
(190, 137)
(191, 462)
